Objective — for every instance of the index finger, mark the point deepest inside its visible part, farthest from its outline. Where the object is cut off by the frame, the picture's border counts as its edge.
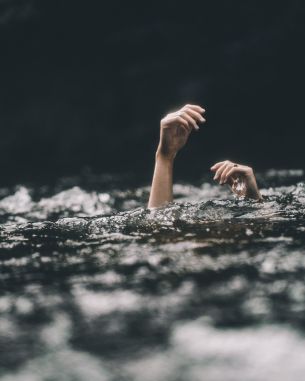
(217, 165)
(196, 108)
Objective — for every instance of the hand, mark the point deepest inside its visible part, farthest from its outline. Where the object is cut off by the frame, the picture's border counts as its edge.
(236, 175)
(176, 127)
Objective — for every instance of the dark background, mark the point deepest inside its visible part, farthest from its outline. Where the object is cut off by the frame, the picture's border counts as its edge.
(85, 83)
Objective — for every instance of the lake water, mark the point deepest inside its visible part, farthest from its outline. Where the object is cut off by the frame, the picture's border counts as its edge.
(95, 287)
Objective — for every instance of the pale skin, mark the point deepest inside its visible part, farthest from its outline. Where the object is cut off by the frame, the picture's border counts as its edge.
(175, 129)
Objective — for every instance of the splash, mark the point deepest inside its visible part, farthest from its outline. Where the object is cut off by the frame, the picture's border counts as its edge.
(196, 288)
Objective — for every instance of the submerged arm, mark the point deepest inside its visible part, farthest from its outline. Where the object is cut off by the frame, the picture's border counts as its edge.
(175, 129)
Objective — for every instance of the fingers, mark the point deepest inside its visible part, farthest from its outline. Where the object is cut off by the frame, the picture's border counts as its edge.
(231, 172)
(183, 123)
(246, 171)
(216, 166)
(188, 116)
(175, 118)
(189, 119)
(220, 170)
(223, 177)
(195, 108)
(194, 113)
(225, 171)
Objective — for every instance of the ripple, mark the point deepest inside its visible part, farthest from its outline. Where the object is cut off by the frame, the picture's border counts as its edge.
(96, 286)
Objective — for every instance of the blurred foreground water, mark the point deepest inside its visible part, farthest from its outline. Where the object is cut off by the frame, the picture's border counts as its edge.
(95, 287)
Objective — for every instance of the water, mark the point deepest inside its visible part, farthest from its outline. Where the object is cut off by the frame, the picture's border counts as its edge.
(95, 287)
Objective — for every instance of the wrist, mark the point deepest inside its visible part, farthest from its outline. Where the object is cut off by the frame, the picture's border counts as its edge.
(252, 189)
(165, 157)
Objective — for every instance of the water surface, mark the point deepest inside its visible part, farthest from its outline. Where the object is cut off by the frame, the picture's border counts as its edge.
(96, 287)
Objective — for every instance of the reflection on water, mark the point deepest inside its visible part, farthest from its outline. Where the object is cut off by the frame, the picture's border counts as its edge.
(96, 287)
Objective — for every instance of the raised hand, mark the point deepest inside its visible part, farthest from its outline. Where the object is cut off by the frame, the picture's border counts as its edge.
(176, 127)
(239, 177)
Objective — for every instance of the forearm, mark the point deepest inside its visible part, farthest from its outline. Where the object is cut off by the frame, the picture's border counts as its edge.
(162, 184)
